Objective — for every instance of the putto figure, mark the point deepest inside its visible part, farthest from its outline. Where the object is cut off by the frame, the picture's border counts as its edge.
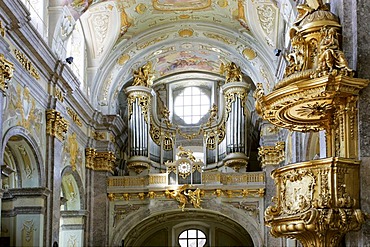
(233, 72)
(143, 76)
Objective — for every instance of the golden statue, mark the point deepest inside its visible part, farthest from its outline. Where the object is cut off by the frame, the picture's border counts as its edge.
(143, 76)
(233, 72)
(296, 59)
(195, 197)
(179, 196)
(330, 56)
(185, 153)
(213, 114)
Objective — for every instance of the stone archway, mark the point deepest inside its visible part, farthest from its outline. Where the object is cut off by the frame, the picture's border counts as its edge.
(22, 219)
(72, 205)
(141, 222)
(164, 228)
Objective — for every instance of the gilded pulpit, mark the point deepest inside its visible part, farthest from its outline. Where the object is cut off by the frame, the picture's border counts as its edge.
(317, 201)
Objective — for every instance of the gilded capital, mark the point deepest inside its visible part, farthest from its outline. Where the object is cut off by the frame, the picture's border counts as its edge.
(90, 154)
(103, 161)
(56, 125)
(271, 155)
(6, 72)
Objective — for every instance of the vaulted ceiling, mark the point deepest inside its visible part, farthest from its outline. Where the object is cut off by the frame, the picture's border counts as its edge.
(188, 36)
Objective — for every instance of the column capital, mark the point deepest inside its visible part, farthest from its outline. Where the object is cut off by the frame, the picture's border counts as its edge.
(56, 125)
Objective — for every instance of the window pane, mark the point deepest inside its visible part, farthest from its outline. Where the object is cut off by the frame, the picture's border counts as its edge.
(183, 234)
(196, 100)
(191, 105)
(188, 91)
(192, 233)
(188, 120)
(192, 243)
(188, 111)
(201, 242)
(188, 100)
(201, 234)
(204, 109)
(183, 243)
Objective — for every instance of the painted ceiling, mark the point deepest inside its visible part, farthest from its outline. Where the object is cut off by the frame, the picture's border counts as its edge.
(187, 36)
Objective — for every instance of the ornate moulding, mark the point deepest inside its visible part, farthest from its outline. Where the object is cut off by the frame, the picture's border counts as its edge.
(236, 161)
(138, 164)
(316, 201)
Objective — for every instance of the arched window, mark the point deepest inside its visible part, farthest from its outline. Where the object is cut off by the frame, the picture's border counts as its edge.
(192, 238)
(191, 105)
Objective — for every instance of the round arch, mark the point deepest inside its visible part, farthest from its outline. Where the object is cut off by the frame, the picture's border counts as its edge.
(147, 220)
(75, 184)
(31, 149)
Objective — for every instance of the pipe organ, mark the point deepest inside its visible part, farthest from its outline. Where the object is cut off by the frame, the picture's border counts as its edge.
(153, 137)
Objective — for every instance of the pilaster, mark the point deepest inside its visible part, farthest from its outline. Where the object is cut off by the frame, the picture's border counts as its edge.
(99, 166)
(56, 129)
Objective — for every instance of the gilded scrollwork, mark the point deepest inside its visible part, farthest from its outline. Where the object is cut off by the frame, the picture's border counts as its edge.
(315, 203)
(27, 64)
(6, 72)
(104, 161)
(75, 118)
(90, 154)
(271, 155)
(155, 132)
(142, 99)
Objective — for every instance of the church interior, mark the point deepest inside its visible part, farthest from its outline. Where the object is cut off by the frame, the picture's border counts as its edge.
(184, 123)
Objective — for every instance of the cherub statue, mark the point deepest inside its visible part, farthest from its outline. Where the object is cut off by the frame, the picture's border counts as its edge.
(194, 197)
(233, 72)
(143, 76)
(185, 153)
(179, 196)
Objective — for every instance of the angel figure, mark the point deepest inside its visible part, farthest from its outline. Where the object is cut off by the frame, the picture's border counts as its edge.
(195, 197)
(143, 76)
(233, 72)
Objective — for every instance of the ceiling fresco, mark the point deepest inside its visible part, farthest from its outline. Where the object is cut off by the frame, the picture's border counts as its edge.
(177, 36)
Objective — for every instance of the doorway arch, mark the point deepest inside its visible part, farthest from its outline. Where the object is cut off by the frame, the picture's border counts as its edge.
(163, 229)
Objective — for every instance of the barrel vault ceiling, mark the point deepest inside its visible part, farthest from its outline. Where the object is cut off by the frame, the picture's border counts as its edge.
(187, 36)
